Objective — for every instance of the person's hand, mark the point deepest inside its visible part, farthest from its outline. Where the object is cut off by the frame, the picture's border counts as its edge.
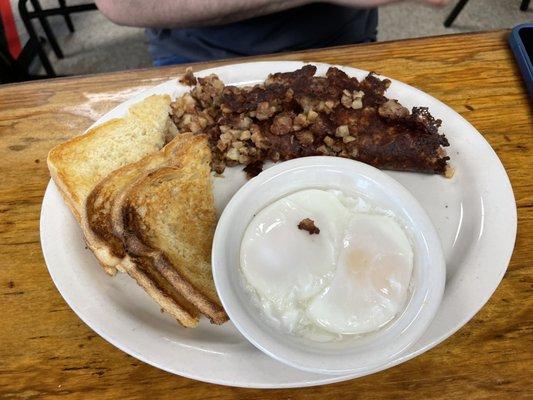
(376, 3)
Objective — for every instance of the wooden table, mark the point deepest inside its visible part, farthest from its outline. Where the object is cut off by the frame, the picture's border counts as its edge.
(46, 351)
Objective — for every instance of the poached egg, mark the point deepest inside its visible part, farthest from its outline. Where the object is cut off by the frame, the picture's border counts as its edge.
(351, 278)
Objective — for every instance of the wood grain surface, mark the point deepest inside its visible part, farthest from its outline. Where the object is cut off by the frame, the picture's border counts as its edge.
(46, 351)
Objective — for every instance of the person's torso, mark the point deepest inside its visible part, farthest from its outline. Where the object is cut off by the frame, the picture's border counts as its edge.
(311, 26)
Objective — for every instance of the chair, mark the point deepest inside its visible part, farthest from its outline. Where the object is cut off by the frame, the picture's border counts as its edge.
(17, 70)
(460, 5)
(40, 14)
(14, 60)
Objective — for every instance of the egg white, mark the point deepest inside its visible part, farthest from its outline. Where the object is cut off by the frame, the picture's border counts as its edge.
(372, 278)
(287, 266)
(351, 278)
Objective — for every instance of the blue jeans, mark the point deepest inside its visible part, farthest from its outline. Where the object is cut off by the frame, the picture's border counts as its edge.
(171, 60)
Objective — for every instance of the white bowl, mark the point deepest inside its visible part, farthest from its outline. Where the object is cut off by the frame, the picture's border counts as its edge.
(353, 354)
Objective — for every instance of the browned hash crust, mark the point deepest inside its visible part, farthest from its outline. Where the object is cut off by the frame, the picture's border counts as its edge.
(297, 114)
(307, 224)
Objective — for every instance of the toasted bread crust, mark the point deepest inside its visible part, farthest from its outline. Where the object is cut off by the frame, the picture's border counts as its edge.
(157, 261)
(97, 219)
(114, 242)
(136, 229)
(170, 300)
(79, 164)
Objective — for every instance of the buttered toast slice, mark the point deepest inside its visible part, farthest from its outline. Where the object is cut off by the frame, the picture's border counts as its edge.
(167, 219)
(104, 202)
(97, 217)
(77, 165)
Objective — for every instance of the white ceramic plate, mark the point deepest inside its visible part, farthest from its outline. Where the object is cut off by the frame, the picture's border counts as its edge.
(474, 213)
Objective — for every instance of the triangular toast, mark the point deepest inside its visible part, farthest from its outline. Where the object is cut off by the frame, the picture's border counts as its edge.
(167, 218)
(77, 165)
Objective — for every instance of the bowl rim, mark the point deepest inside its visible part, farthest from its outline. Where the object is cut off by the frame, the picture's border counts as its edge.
(429, 297)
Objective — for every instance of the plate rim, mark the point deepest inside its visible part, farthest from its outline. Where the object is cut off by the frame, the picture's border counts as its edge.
(326, 378)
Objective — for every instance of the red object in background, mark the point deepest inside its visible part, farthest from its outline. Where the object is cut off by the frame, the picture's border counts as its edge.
(10, 28)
